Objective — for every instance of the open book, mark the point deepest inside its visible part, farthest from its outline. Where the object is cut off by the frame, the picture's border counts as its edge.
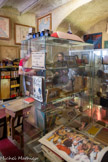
(73, 146)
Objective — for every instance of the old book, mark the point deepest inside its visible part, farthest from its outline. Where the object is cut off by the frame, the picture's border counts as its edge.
(40, 119)
(66, 36)
(5, 89)
(102, 136)
(93, 129)
(29, 84)
(84, 121)
(29, 100)
(51, 155)
(72, 145)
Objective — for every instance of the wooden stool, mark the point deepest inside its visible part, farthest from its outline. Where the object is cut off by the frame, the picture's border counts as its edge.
(19, 132)
(18, 129)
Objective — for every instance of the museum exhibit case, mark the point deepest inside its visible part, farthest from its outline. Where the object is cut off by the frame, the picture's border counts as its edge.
(60, 80)
(100, 82)
(59, 75)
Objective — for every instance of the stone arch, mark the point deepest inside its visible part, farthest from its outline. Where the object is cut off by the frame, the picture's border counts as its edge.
(59, 14)
(84, 17)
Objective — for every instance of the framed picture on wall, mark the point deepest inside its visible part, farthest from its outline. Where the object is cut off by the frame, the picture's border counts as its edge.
(44, 22)
(10, 52)
(105, 44)
(4, 27)
(21, 31)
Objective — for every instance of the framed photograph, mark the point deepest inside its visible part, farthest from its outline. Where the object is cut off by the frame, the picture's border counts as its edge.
(52, 94)
(21, 31)
(95, 39)
(85, 58)
(44, 22)
(71, 60)
(4, 27)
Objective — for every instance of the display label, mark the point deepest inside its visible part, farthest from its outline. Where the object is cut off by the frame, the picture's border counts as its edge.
(38, 60)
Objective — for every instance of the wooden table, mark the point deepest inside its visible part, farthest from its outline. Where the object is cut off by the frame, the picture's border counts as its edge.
(16, 108)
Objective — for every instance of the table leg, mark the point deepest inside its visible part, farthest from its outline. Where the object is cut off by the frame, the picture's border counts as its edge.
(12, 127)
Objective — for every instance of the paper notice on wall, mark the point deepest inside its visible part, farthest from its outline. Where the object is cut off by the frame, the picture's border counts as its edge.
(38, 60)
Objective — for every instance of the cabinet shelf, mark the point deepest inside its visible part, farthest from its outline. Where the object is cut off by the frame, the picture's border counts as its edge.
(5, 78)
(8, 67)
(63, 68)
(63, 97)
(14, 77)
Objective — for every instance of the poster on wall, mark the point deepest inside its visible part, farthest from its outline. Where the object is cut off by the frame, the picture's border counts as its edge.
(95, 39)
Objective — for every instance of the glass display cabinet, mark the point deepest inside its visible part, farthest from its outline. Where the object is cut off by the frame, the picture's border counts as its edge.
(100, 85)
(59, 76)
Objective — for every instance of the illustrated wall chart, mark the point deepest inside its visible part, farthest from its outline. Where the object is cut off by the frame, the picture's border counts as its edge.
(44, 23)
(21, 31)
(4, 27)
